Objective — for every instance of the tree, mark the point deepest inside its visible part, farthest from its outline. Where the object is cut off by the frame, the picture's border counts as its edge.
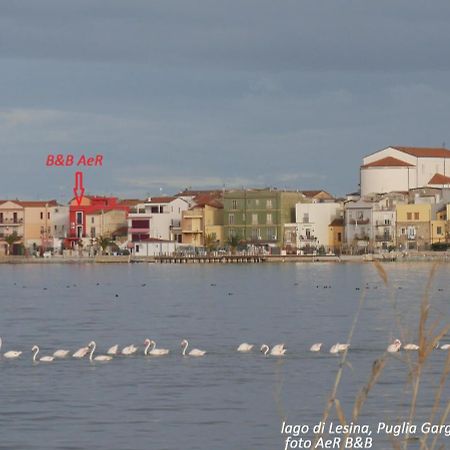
(210, 242)
(233, 243)
(14, 237)
(104, 242)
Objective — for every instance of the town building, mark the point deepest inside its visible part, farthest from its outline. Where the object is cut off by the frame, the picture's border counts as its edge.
(399, 168)
(358, 219)
(11, 222)
(336, 235)
(256, 217)
(413, 227)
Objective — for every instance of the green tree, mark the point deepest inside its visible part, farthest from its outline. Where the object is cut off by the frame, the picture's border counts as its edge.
(210, 242)
(233, 243)
(104, 242)
(10, 240)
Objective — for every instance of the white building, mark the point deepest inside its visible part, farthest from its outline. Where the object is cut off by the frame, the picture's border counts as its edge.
(153, 247)
(404, 168)
(157, 218)
(312, 220)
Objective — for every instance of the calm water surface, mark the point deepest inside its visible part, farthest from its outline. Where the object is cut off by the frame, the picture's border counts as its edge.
(225, 400)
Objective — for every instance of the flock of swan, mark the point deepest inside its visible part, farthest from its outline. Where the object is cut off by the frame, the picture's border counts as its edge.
(150, 349)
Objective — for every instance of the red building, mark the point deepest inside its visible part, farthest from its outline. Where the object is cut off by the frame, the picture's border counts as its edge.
(91, 205)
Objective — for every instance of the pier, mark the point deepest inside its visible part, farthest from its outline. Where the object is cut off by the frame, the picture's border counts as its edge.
(224, 259)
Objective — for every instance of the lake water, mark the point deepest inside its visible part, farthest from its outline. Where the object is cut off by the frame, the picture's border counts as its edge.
(224, 400)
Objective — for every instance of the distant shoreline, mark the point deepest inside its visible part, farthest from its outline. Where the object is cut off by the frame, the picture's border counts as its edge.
(235, 259)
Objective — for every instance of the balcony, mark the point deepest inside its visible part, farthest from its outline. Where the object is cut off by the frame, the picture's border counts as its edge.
(359, 221)
(384, 238)
(11, 222)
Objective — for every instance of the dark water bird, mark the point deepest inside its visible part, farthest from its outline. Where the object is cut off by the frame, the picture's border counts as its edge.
(357, 289)
(295, 284)
(440, 289)
(98, 284)
(230, 293)
(144, 284)
(213, 284)
(116, 295)
(67, 286)
(44, 289)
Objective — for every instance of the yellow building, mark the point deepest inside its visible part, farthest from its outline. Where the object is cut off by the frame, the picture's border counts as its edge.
(336, 235)
(106, 223)
(438, 231)
(413, 228)
(202, 223)
(11, 221)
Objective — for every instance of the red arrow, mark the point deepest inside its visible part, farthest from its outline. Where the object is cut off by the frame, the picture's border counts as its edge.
(78, 190)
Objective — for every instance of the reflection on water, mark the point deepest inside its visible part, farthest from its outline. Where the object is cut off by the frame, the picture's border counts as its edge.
(225, 400)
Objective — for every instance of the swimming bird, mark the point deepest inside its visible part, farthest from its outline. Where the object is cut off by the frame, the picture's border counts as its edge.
(11, 354)
(113, 350)
(278, 350)
(244, 347)
(264, 349)
(445, 347)
(337, 348)
(394, 347)
(129, 350)
(81, 352)
(92, 346)
(35, 351)
(61, 353)
(316, 347)
(154, 351)
(411, 347)
(193, 352)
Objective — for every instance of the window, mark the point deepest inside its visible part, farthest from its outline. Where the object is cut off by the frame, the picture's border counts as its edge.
(272, 234)
(231, 219)
(161, 209)
(1, 217)
(92, 220)
(42, 230)
(305, 218)
(258, 233)
(42, 215)
(243, 217)
(48, 215)
(403, 231)
(15, 217)
(254, 219)
(92, 232)
(79, 218)
(416, 216)
(269, 204)
(137, 248)
(257, 202)
(387, 221)
(269, 219)
(308, 233)
(339, 237)
(409, 216)
(154, 209)
(439, 230)
(234, 204)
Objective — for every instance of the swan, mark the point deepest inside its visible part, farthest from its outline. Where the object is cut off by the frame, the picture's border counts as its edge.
(61, 353)
(316, 347)
(81, 352)
(154, 351)
(11, 354)
(129, 350)
(113, 350)
(278, 350)
(394, 347)
(337, 348)
(411, 347)
(445, 347)
(35, 351)
(244, 347)
(193, 352)
(92, 346)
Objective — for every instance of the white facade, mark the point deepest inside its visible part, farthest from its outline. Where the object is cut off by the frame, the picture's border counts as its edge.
(158, 218)
(154, 248)
(402, 168)
(312, 221)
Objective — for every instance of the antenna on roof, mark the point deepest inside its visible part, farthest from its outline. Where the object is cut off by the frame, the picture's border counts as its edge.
(443, 144)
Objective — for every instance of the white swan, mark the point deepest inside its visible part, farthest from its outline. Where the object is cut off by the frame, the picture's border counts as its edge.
(35, 351)
(81, 352)
(193, 352)
(11, 354)
(277, 350)
(244, 347)
(61, 353)
(129, 350)
(113, 350)
(394, 347)
(154, 351)
(337, 348)
(92, 346)
(445, 347)
(316, 347)
(411, 347)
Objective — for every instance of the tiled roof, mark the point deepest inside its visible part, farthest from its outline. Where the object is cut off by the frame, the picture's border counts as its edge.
(388, 162)
(130, 201)
(160, 199)
(438, 178)
(38, 203)
(425, 152)
(312, 194)
(337, 222)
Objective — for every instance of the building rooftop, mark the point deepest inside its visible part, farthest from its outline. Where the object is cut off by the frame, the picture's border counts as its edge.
(388, 162)
(438, 178)
(424, 152)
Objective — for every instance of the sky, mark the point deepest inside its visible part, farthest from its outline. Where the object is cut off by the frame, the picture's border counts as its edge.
(211, 94)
